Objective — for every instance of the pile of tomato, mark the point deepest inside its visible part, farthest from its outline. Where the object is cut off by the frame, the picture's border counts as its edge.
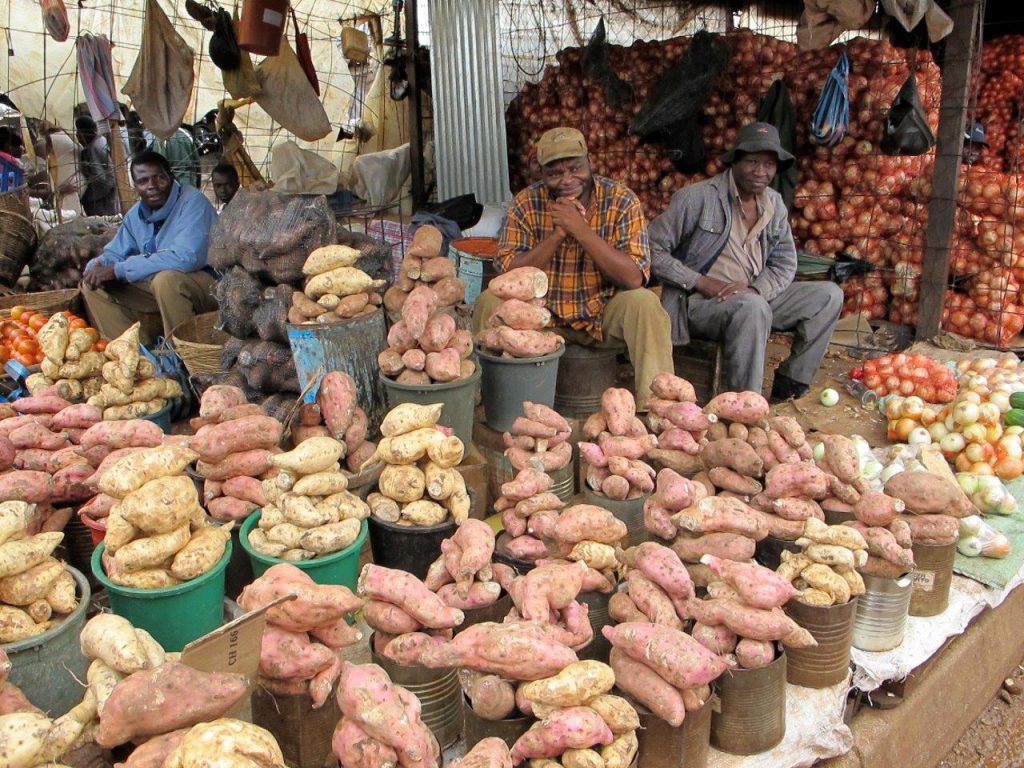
(18, 335)
(903, 374)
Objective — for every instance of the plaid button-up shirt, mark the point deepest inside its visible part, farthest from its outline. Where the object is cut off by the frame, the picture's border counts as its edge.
(578, 291)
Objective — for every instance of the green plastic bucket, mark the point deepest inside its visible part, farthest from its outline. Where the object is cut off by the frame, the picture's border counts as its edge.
(508, 381)
(339, 568)
(176, 615)
(47, 667)
(458, 398)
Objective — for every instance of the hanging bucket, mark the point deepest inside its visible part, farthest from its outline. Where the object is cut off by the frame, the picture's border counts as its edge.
(881, 616)
(509, 381)
(751, 713)
(474, 263)
(584, 373)
(458, 398)
(932, 576)
(828, 662)
(351, 346)
(629, 511)
(261, 26)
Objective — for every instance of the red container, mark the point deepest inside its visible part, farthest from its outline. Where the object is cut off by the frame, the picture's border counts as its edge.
(262, 25)
(98, 528)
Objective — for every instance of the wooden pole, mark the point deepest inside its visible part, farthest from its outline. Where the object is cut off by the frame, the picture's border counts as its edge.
(961, 48)
(125, 191)
(415, 111)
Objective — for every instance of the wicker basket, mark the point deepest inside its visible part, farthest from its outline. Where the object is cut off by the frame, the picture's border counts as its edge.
(199, 344)
(17, 234)
(46, 302)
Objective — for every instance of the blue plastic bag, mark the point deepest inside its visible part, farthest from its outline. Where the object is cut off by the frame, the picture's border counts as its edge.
(831, 118)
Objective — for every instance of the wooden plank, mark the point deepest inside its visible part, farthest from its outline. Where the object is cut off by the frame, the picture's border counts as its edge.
(415, 111)
(961, 48)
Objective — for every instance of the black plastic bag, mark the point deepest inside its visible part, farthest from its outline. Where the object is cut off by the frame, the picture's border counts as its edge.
(597, 66)
(847, 266)
(906, 129)
(224, 50)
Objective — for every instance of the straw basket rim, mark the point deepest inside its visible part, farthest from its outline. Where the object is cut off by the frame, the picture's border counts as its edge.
(199, 343)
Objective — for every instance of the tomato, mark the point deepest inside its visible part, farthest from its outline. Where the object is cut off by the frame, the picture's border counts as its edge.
(17, 312)
(37, 322)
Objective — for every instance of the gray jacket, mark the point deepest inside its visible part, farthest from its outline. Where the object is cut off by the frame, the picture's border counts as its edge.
(689, 236)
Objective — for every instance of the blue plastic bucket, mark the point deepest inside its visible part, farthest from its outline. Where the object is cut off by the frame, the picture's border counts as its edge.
(349, 345)
(474, 263)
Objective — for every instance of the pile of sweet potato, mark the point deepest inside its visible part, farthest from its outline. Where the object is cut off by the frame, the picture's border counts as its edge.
(335, 288)
(742, 614)
(588, 534)
(663, 668)
(336, 413)
(403, 612)
(657, 586)
(70, 364)
(933, 505)
(425, 265)
(825, 571)
(380, 723)
(425, 346)
(491, 752)
(579, 722)
(105, 442)
(36, 590)
(516, 327)
(158, 534)
(140, 693)
(309, 511)
(130, 390)
(419, 484)
(528, 510)
(301, 651)
(463, 575)
(675, 418)
(614, 460)
(548, 594)
(539, 439)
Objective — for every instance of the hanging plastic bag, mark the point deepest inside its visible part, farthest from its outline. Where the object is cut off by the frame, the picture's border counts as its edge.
(906, 128)
(241, 82)
(298, 171)
(224, 50)
(288, 97)
(831, 117)
(55, 19)
(160, 85)
(303, 53)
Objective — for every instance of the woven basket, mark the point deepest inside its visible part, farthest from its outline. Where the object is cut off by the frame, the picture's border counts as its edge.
(46, 302)
(17, 235)
(199, 344)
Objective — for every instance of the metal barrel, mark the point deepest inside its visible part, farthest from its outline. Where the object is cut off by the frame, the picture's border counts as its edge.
(881, 616)
(475, 729)
(661, 745)
(828, 662)
(438, 691)
(304, 733)
(474, 263)
(768, 551)
(507, 382)
(584, 373)
(751, 712)
(631, 512)
(838, 518)
(597, 611)
(496, 611)
(932, 575)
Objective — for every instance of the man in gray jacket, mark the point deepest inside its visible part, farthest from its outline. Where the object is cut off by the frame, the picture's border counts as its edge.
(724, 253)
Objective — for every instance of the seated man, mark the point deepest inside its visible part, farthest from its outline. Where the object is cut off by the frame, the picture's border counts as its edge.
(224, 179)
(157, 260)
(724, 251)
(589, 235)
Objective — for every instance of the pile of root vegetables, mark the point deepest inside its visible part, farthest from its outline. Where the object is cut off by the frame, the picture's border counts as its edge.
(516, 328)
(419, 484)
(614, 461)
(335, 288)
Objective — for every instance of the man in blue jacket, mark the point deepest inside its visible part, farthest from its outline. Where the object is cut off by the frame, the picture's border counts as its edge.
(156, 263)
(724, 253)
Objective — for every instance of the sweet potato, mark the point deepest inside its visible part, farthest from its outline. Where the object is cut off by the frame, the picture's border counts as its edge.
(652, 601)
(202, 552)
(528, 343)
(745, 407)
(677, 657)
(491, 752)
(569, 728)
(621, 608)
(46, 404)
(585, 522)
(520, 315)
(414, 359)
(523, 283)
(730, 480)
(782, 451)
(757, 586)
(250, 489)
(443, 366)
(718, 514)
(670, 387)
(227, 508)
(751, 654)
(214, 443)
(20, 555)
(647, 687)
(787, 480)
(450, 291)
(720, 640)
(877, 509)
(151, 551)
(173, 695)
(752, 623)
(492, 698)
(797, 509)
(132, 472)
(574, 686)
(932, 529)
(317, 454)
(409, 593)
(354, 748)
(925, 493)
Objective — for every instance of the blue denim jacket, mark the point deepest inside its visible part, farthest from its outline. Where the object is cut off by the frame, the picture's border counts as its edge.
(691, 234)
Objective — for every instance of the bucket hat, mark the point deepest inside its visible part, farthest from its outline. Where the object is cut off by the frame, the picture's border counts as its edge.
(759, 137)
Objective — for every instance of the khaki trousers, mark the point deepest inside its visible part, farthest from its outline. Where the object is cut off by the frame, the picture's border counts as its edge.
(160, 304)
(632, 320)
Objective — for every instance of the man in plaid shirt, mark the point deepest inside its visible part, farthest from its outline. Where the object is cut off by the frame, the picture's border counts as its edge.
(589, 235)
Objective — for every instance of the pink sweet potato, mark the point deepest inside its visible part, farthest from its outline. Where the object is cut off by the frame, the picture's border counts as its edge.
(173, 695)
(214, 443)
(414, 359)
(25, 485)
(647, 687)
(526, 548)
(389, 618)
(529, 343)
(751, 654)
(80, 416)
(925, 529)
(390, 362)
(621, 609)
(568, 728)
(523, 283)
(227, 508)
(35, 435)
(10, 424)
(289, 655)
(437, 268)
(409, 593)
(662, 566)
(245, 488)
(745, 407)
(734, 454)
(520, 315)
(757, 586)
(316, 605)
(720, 514)
(492, 698)
(670, 387)
(732, 481)
(720, 640)
(586, 522)
(788, 480)
(7, 453)
(797, 509)
(678, 658)
(753, 623)
(218, 398)
(924, 493)
(337, 400)
(400, 338)
(354, 748)
(876, 508)
(136, 433)
(154, 751)
(627, 447)
(438, 333)
(443, 366)
(491, 752)
(652, 601)
(46, 404)
(882, 543)
(99, 506)
(248, 463)
(449, 290)
(418, 308)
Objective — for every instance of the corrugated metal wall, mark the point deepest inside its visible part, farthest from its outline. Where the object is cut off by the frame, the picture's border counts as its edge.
(468, 104)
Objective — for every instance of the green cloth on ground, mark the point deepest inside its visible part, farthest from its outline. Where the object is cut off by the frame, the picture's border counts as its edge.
(993, 572)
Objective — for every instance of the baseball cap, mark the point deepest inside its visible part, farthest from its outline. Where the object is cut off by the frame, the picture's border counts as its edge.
(560, 143)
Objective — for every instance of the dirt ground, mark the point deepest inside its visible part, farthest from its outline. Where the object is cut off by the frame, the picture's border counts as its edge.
(996, 738)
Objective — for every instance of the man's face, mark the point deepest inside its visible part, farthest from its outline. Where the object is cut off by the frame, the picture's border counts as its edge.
(153, 184)
(972, 152)
(570, 177)
(224, 187)
(754, 171)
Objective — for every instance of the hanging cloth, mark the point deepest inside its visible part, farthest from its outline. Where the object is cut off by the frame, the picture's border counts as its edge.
(55, 19)
(831, 117)
(241, 82)
(160, 85)
(304, 55)
(289, 98)
(97, 73)
(776, 109)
